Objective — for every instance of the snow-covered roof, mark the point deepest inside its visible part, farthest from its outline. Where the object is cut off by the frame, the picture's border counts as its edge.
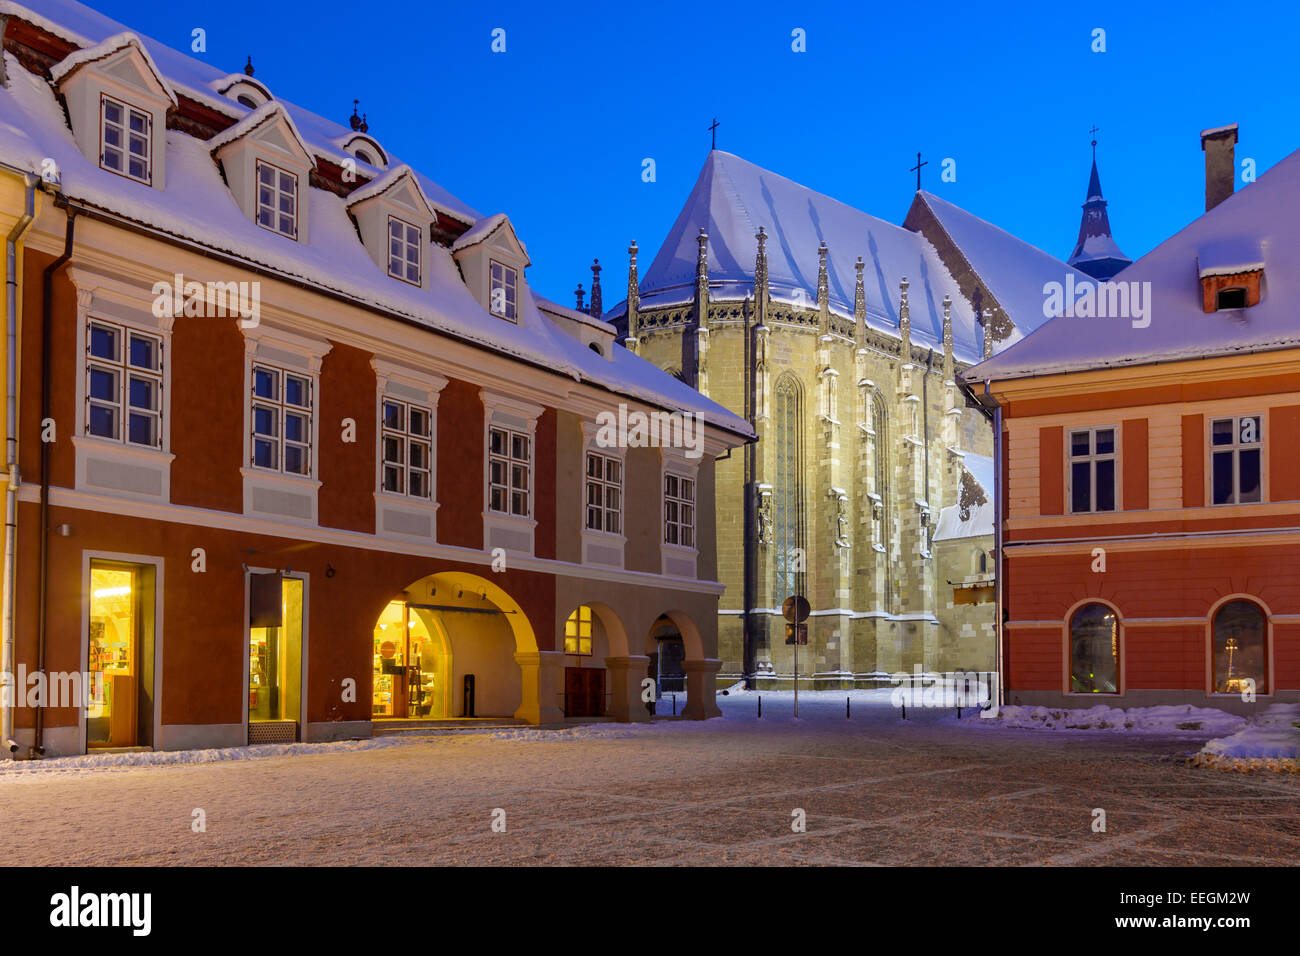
(259, 117)
(71, 63)
(1013, 270)
(79, 24)
(1263, 216)
(484, 228)
(733, 197)
(197, 205)
(568, 312)
(1227, 257)
(979, 520)
(384, 182)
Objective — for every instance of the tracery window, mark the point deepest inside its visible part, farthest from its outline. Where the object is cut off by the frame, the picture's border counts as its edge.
(787, 493)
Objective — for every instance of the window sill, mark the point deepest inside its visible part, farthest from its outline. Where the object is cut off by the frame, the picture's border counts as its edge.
(605, 548)
(282, 497)
(404, 517)
(117, 468)
(509, 532)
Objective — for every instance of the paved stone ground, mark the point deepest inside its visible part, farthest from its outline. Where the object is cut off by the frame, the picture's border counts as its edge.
(876, 791)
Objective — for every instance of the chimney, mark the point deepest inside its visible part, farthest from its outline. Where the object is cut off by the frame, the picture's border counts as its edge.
(1220, 164)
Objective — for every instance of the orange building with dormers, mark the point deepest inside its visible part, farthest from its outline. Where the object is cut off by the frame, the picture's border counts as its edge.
(300, 454)
(1150, 470)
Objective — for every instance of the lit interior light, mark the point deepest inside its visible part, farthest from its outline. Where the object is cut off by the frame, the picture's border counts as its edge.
(113, 592)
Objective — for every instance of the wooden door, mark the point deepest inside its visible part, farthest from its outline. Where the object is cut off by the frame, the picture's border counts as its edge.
(584, 691)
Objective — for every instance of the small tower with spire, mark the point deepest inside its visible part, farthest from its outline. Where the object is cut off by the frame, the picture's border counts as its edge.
(1096, 253)
(596, 305)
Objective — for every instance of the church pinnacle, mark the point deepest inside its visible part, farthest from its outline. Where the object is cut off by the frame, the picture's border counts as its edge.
(1096, 253)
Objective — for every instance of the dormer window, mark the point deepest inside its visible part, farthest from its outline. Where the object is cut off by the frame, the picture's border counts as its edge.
(1234, 298)
(503, 291)
(277, 200)
(403, 250)
(248, 101)
(125, 134)
(365, 157)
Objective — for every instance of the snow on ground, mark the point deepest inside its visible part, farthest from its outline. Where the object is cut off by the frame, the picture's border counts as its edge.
(1168, 719)
(1270, 742)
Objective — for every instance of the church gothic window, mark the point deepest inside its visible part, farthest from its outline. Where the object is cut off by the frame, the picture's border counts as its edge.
(874, 417)
(787, 495)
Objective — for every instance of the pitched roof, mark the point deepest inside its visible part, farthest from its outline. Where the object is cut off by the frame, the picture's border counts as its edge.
(1010, 268)
(197, 205)
(733, 197)
(1258, 224)
(73, 62)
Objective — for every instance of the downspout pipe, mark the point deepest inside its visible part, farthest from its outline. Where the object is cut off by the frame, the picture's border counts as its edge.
(999, 496)
(42, 607)
(7, 584)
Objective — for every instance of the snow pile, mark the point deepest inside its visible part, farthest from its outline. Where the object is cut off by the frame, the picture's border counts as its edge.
(1270, 742)
(1165, 719)
(150, 758)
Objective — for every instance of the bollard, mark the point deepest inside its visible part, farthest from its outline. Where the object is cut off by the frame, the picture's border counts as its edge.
(848, 714)
(674, 705)
(905, 710)
(760, 705)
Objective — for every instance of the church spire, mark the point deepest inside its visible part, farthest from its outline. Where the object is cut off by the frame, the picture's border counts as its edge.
(1096, 253)
(596, 303)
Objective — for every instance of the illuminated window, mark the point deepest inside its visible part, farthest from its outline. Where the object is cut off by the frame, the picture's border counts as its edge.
(604, 493)
(1240, 649)
(407, 448)
(1094, 650)
(123, 384)
(1236, 447)
(509, 472)
(577, 632)
(125, 136)
(503, 291)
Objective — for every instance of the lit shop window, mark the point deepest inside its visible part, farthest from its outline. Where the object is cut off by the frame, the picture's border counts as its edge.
(409, 665)
(503, 291)
(1092, 470)
(403, 250)
(123, 384)
(1240, 649)
(1236, 447)
(604, 493)
(277, 200)
(281, 421)
(577, 632)
(125, 136)
(407, 449)
(119, 646)
(1094, 650)
(509, 472)
(276, 606)
(679, 511)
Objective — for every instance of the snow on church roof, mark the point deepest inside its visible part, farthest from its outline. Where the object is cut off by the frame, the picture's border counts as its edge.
(979, 520)
(1013, 270)
(733, 197)
(1264, 217)
(196, 204)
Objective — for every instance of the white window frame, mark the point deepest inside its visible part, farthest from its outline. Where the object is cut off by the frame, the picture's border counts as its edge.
(1235, 447)
(281, 408)
(603, 484)
(681, 501)
(408, 246)
(125, 371)
(508, 282)
(127, 133)
(406, 439)
(508, 462)
(1092, 458)
(278, 191)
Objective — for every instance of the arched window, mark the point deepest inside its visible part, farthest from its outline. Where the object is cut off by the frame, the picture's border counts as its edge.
(1240, 642)
(873, 413)
(1094, 650)
(787, 489)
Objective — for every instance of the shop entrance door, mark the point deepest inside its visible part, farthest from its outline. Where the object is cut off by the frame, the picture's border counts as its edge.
(120, 655)
(584, 691)
(274, 657)
(409, 665)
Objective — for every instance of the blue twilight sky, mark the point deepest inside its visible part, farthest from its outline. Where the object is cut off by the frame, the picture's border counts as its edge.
(554, 131)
